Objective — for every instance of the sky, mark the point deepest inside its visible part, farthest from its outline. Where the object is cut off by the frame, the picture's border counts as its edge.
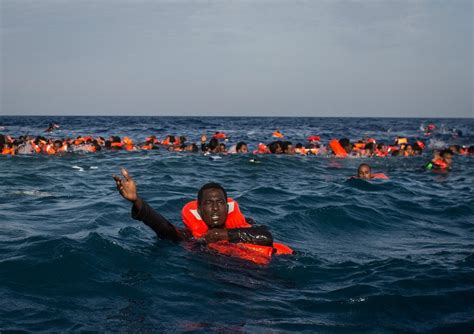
(237, 58)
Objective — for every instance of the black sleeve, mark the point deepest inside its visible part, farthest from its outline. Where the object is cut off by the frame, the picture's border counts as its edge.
(258, 235)
(162, 227)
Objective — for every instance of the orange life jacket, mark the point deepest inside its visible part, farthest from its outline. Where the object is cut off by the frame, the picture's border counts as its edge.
(116, 144)
(219, 135)
(381, 153)
(379, 176)
(400, 141)
(302, 150)
(314, 150)
(313, 138)
(235, 219)
(359, 146)
(277, 134)
(420, 144)
(35, 147)
(49, 149)
(440, 163)
(8, 150)
(262, 149)
(338, 150)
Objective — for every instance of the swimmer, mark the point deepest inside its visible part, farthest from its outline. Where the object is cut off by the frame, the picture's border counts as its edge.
(51, 127)
(365, 172)
(341, 148)
(242, 147)
(276, 147)
(212, 219)
(277, 134)
(441, 161)
(288, 148)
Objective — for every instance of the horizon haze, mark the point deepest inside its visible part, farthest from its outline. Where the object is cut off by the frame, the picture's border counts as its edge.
(239, 58)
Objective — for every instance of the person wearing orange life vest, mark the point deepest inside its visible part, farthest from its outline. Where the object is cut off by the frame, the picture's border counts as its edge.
(213, 219)
(441, 161)
(365, 172)
(341, 148)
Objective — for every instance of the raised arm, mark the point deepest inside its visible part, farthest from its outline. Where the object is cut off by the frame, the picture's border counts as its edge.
(145, 213)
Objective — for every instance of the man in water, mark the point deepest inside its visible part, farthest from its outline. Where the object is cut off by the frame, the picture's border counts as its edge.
(364, 172)
(212, 209)
(441, 161)
(51, 127)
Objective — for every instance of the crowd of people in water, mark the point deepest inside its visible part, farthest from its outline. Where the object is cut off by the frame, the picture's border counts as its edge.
(218, 143)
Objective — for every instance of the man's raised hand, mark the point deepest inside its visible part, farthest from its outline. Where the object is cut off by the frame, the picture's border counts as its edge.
(126, 186)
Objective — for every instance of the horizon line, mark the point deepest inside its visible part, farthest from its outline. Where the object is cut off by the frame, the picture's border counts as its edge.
(227, 116)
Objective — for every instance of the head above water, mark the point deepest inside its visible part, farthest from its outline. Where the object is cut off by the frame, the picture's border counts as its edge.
(346, 144)
(242, 147)
(447, 156)
(212, 204)
(364, 171)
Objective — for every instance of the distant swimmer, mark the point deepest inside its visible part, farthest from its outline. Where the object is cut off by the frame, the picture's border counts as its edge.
(220, 135)
(441, 161)
(277, 134)
(213, 219)
(341, 148)
(51, 127)
(365, 172)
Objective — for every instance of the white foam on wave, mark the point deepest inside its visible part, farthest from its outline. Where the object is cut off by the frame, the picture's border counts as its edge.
(81, 169)
(34, 193)
(436, 144)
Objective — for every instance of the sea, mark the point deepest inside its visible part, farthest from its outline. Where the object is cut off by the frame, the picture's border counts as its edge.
(381, 256)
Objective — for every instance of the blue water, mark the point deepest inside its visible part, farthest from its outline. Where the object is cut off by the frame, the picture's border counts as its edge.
(381, 257)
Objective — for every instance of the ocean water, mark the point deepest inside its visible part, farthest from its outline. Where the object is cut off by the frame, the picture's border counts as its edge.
(372, 257)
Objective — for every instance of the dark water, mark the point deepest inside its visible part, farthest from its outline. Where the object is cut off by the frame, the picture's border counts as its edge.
(382, 257)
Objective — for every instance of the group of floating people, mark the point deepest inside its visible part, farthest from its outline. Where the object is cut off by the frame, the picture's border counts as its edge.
(217, 144)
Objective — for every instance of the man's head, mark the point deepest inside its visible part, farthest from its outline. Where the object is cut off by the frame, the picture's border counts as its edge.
(57, 144)
(213, 145)
(242, 147)
(346, 144)
(275, 147)
(287, 147)
(447, 156)
(364, 171)
(212, 204)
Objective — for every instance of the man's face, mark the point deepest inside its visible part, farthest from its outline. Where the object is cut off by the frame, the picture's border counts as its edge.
(290, 150)
(213, 208)
(364, 172)
(448, 158)
(243, 149)
(278, 150)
